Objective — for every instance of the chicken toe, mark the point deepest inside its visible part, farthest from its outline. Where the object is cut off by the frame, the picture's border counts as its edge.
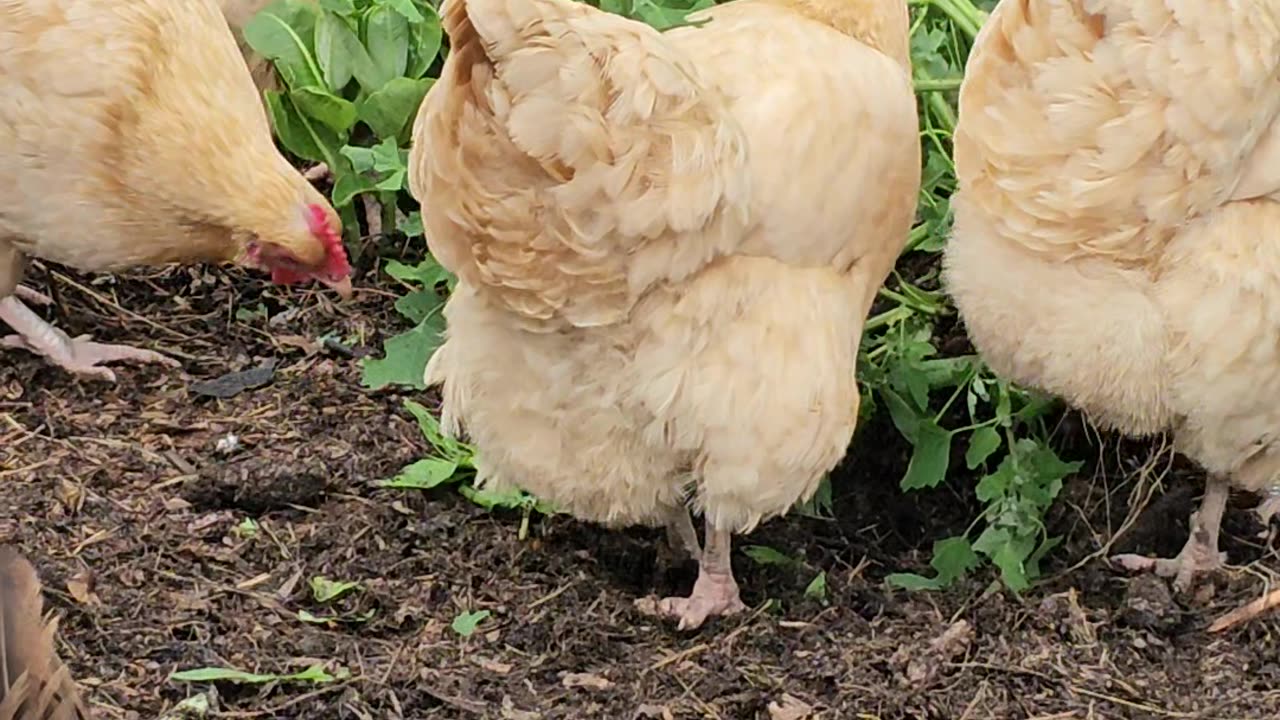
(715, 593)
(1200, 554)
(79, 355)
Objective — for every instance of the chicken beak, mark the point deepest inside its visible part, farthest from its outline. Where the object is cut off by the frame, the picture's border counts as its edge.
(342, 287)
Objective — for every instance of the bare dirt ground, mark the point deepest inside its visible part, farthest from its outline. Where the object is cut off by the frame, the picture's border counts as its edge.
(122, 498)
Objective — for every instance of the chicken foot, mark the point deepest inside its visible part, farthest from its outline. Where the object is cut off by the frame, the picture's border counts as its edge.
(1200, 554)
(79, 355)
(715, 592)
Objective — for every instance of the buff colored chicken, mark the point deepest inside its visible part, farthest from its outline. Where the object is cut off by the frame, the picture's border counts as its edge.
(238, 14)
(130, 133)
(1119, 172)
(665, 258)
(34, 684)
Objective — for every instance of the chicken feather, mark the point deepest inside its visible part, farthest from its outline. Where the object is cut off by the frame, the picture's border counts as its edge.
(664, 262)
(1117, 178)
(34, 684)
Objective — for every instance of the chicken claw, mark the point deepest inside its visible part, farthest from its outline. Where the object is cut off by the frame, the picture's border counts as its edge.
(28, 295)
(79, 355)
(1269, 506)
(714, 593)
(1200, 554)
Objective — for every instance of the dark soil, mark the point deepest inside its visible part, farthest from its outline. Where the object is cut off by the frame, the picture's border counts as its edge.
(128, 499)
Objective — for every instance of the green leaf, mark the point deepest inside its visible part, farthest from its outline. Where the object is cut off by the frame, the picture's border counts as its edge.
(307, 617)
(342, 7)
(338, 114)
(335, 46)
(214, 674)
(817, 588)
(420, 305)
(983, 442)
(389, 111)
(387, 38)
(906, 418)
(447, 447)
(913, 582)
(424, 44)
(488, 498)
(411, 225)
(991, 540)
(405, 358)
(467, 622)
(348, 183)
(298, 135)
(930, 458)
(952, 558)
(407, 8)
(424, 474)
(325, 590)
(282, 31)
(765, 555)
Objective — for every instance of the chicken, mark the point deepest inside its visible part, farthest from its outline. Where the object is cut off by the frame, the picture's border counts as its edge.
(34, 684)
(665, 260)
(155, 149)
(1118, 176)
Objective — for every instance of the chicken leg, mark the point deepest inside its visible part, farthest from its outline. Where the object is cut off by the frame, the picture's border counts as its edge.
(714, 593)
(79, 355)
(682, 538)
(1200, 554)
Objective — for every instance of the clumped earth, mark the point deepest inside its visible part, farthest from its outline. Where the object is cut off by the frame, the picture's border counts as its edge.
(132, 500)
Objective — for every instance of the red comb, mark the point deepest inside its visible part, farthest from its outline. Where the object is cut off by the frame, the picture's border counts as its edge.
(336, 264)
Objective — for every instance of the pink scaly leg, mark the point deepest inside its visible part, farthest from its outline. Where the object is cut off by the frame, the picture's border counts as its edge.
(1200, 554)
(78, 355)
(714, 593)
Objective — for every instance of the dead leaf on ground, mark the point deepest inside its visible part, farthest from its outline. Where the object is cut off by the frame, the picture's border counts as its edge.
(589, 681)
(789, 707)
(80, 586)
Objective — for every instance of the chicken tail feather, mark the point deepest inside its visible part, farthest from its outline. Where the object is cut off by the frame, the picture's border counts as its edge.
(34, 684)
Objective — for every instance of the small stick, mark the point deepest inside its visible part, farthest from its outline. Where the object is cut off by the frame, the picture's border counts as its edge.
(1245, 613)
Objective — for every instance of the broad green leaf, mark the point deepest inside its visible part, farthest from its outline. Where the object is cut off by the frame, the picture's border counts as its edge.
(335, 45)
(465, 623)
(991, 540)
(983, 442)
(283, 31)
(765, 555)
(930, 457)
(338, 114)
(408, 9)
(348, 183)
(424, 43)
(297, 134)
(389, 111)
(906, 418)
(387, 38)
(488, 498)
(418, 305)
(411, 225)
(423, 474)
(427, 273)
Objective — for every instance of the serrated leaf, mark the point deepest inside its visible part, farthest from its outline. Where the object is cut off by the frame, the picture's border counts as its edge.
(404, 358)
(982, 443)
(952, 558)
(991, 540)
(929, 458)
